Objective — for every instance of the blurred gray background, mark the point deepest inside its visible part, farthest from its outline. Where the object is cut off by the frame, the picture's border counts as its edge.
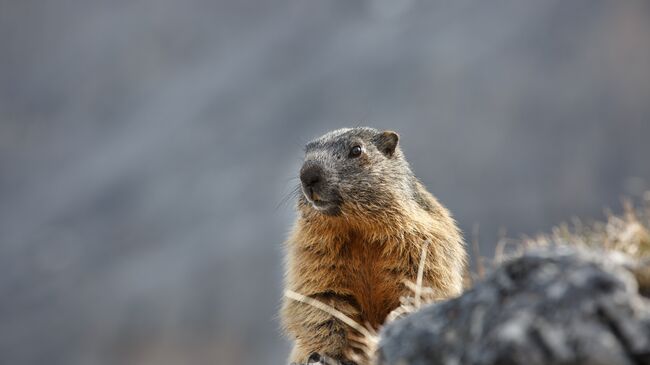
(146, 147)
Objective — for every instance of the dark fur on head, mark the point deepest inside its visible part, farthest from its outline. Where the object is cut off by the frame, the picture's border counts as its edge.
(355, 185)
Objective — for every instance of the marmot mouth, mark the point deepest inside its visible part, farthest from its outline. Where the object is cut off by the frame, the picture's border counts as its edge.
(314, 197)
(316, 200)
(328, 207)
(320, 204)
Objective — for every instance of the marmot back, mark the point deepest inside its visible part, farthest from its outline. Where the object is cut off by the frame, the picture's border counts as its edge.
(363, 218)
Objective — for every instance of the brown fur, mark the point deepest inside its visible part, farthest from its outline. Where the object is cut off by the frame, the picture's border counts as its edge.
(357, 261)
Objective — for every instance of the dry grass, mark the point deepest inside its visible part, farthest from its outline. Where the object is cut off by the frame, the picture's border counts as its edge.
(628, 233)
(366, 341)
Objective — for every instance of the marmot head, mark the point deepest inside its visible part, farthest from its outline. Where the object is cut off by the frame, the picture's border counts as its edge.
(353, 172)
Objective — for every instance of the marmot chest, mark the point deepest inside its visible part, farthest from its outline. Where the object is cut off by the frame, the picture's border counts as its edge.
(373, 278)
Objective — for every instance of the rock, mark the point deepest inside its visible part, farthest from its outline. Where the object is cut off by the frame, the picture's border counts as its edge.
(565, 306)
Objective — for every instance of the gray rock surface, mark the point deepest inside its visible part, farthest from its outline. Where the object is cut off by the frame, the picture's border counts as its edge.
(564, 306)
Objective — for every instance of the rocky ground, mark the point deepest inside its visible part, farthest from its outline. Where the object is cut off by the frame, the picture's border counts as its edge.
(552, 306)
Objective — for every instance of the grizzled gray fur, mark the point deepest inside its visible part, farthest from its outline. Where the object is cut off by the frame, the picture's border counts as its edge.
(348, 178)
(565, 306)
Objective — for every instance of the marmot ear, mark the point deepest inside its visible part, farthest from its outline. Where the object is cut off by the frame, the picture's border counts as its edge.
(387, 142)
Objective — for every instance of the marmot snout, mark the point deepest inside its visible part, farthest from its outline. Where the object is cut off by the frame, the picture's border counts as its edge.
(363, 218)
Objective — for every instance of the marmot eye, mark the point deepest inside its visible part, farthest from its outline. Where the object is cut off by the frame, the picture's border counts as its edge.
(355, 151)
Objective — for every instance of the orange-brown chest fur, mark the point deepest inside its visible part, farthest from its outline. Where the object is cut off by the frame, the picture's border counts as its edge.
(358, 264)
(369, 275)
(360, 271)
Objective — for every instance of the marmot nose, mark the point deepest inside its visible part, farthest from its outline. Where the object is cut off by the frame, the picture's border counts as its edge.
(311, 175)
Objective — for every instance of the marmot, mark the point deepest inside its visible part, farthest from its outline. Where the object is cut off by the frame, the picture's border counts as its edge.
(363, 218)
